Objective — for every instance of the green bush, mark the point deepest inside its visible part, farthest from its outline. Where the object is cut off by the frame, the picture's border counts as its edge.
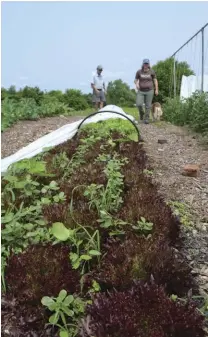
(51, 106)
(119, 93)
(75, 99)
(27, 109)
(164, 73)
(13, 111)
(192, 111)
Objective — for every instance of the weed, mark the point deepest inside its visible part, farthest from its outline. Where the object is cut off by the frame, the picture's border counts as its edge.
(86, 245)
(148, 172)
(143, 227)
(108, 198)
(182, 211)
(192, 111)
(67, 310)
(68, 166)
(114, 225)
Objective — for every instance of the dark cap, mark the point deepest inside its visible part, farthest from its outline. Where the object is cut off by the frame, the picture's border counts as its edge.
(146, 61)
(99, 67)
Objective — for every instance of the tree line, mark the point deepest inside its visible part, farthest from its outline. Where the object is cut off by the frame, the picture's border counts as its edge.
(118, 92)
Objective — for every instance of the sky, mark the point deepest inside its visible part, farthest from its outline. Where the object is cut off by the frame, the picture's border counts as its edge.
(57, 45)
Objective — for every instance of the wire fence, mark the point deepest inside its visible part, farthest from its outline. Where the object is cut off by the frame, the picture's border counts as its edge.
(191, 55)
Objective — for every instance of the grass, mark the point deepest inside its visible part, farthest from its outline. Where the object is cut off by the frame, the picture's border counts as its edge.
(130, 111)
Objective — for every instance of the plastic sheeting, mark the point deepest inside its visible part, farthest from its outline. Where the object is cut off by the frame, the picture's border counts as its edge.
(190, 84)
(59, 136)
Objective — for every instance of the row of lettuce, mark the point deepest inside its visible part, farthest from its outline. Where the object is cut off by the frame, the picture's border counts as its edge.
(35, 187)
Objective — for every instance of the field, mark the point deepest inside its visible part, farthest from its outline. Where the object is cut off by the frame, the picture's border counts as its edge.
(89, 244)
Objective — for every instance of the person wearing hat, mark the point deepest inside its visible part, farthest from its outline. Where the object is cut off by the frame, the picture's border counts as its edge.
(146, 85)
(98, 86)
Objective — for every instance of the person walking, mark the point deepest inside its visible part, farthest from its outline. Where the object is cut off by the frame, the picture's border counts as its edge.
(146, 85)
(98, 86)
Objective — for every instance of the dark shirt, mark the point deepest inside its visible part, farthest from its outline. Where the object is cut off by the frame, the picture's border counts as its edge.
(145, 79)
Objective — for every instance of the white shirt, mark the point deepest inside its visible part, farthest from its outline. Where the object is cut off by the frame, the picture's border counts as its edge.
(98, 81)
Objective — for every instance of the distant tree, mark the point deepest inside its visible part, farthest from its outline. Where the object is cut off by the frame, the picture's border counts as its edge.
(75, 99)
(4, 93)
(34, 93)
(12, 90)
(164, 72)
(119, 93)
(88, 98)
(58, 94)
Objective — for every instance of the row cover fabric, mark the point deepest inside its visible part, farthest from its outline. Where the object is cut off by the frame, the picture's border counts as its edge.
(190, 84)
(59, 136)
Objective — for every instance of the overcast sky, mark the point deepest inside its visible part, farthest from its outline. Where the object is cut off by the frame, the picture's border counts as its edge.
(57, 45)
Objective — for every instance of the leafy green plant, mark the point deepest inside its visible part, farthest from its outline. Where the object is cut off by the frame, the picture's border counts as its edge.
(68, 166)
(67, 310)
(104, 129)
(143, 227)
(4, 256)
(192, 111)
(181, 210)
(95, 287)
(86, 245)
(108, 198)
(114, 225)
(148, 172)
(21, 229)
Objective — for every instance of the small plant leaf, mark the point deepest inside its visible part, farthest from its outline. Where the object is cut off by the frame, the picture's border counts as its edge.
(85, 257)
(68, 300)
(47, 301)
(67, 311)
(60, 231)
(73, 257)
(62, 295)
(52, 306)
(94, 252)
(53, 319)
(64, 333)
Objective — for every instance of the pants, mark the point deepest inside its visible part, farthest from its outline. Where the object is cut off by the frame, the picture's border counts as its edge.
(98, 97)
(144, 97)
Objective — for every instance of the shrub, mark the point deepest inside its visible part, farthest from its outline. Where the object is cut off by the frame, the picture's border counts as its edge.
(192, 111)
(51, 106)
(13, 111)
(74, 99)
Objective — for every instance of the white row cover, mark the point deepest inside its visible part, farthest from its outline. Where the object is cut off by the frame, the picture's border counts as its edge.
(192, 83)
(59, 136)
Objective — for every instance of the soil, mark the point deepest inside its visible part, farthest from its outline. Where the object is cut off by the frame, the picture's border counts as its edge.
(166, 161)
(25, 132)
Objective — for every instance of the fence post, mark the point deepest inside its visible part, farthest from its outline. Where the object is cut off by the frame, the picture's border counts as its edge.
(174, 76)
(202, 70)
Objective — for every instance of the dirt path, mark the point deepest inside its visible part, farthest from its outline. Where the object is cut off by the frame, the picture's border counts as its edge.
(167, 161)
(25, 132)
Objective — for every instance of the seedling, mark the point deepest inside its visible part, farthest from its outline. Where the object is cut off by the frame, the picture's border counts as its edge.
(65, 308)
(87, 246)
(143, 227)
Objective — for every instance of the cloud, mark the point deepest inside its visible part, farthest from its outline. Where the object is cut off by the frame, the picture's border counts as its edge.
(23, 78)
